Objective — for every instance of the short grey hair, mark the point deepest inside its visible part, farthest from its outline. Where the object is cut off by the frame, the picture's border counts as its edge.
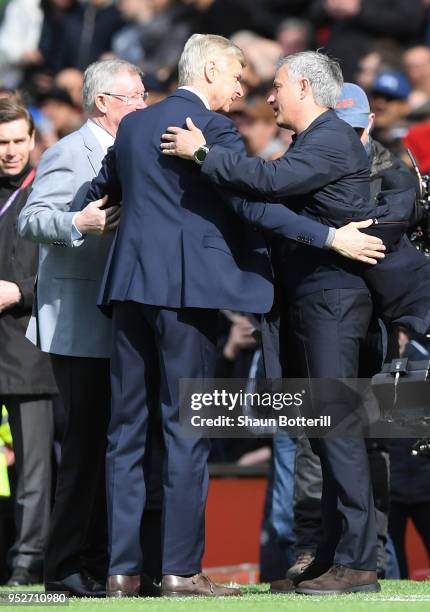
(323, 73)
(100, 76)
(201, 48)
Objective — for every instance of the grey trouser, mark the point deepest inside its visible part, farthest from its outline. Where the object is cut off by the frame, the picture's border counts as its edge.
(31, 423)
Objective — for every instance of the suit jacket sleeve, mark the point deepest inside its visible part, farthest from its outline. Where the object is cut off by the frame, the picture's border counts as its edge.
(47, 215)
(317, 163)
(106, 182)
(273, 217)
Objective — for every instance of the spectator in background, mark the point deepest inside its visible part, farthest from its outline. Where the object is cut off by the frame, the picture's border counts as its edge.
(383, 55)
(389, 100)
(416, 62)
(260, 131)
(417, 139)
(56, 14)
(26, 379)
(261, 55)
(356, 24)
(295, 35)
(59, 108)
(410, 498)
(224, 17)
(154, 36)
(44, 136)
(239, 357)
(19, 38)
(74, 34)
(72, 81)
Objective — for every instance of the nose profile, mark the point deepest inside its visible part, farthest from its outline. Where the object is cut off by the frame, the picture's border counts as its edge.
(271, 99)
(11, 149)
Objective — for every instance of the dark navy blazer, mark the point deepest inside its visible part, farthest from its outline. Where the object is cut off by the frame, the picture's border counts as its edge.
(181, 242)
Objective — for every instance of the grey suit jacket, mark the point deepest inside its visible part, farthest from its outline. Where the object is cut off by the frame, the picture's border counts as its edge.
(65, 319)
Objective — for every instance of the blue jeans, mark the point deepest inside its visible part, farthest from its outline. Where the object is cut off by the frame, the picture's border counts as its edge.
(277, 552)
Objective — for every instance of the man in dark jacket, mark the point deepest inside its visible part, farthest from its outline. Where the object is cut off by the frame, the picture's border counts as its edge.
(26, 380)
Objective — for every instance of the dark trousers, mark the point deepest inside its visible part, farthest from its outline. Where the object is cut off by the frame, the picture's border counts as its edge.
(326, 329)
(154, 348)
(307, 498)
(31, 423)
(78, 532)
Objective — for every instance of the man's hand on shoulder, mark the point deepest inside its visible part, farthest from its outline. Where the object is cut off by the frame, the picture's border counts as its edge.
(10, 295)
(94, 219)
(351, 243)
(182, 143)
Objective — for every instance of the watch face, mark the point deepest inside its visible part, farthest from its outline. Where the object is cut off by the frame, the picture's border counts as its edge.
(200, 154)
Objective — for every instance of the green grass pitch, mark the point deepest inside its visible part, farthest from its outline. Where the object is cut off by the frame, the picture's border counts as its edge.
(395, 596)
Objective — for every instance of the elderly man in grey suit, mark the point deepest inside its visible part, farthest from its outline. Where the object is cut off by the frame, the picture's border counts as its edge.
(67, 323)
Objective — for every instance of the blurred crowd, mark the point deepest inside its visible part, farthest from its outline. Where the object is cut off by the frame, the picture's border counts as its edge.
(382, 44)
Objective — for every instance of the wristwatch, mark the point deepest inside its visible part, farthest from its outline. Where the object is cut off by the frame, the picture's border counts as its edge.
(200, 154)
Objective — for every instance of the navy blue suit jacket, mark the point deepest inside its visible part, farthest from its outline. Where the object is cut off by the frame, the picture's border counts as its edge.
(181, 242)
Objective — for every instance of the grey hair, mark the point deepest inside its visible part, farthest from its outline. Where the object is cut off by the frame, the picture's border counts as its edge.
(100, 76)
(201, 48)
(323, 73)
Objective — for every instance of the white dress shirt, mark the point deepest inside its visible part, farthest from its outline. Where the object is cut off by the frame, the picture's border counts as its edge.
(105, 140)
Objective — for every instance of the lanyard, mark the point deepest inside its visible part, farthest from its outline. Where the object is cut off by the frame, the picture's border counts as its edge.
(11, 199)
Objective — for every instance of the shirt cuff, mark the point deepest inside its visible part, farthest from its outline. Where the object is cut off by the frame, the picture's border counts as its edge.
(330, 237)
(76, 234)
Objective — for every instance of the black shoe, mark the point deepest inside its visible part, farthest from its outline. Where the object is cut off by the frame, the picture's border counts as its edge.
(303, 561)
(77, 585)
(95, 583)
(22, 576)
(148, 588)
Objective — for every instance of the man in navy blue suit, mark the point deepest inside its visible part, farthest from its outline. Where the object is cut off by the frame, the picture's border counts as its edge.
(324, 175)
(183, 250)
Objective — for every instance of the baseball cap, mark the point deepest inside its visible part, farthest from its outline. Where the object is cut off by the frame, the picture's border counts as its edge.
(353, 106)
(393, 84)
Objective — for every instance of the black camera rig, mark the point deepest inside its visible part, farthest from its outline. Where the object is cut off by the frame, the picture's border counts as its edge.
(402, 389)
(419, 235)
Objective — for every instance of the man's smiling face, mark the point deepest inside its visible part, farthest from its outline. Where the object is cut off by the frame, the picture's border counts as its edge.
(285, 98)
(227, 83)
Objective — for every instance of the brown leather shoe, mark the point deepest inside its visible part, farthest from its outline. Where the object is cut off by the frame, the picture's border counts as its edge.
(340, 579)
(200, 584)
(123, 586)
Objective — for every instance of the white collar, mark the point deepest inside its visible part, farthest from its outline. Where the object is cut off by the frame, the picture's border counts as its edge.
(104, 139)
(198, 93)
